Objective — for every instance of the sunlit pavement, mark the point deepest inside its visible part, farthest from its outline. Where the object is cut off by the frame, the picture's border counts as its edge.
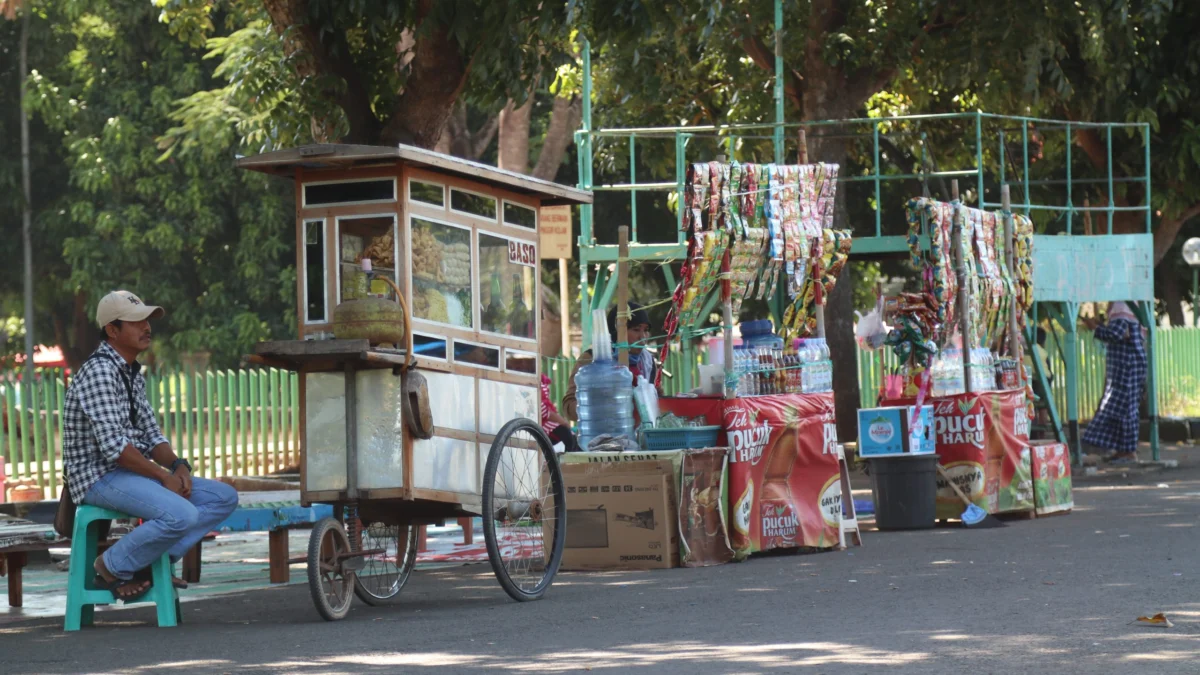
(1052, 595)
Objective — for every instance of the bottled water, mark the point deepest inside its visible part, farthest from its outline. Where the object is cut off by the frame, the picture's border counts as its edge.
(826, 368)
(604, 389)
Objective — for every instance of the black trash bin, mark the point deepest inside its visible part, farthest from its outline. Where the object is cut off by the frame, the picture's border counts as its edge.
(905, 491)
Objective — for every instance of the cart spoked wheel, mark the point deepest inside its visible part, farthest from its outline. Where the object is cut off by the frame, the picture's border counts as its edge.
(524, 512)
(389, 554)
(329, 579)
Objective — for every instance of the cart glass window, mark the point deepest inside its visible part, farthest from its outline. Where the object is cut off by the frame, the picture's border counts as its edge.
(350, 192)
(314, 272)
(473, 204)
(427, 193)
(520, 362)
(366, 237)
(506, 287)
(469, 353)
(429, 346)
(441, 273)
(519, 215)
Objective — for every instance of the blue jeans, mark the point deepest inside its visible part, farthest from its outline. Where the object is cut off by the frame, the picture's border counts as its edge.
(171, 524)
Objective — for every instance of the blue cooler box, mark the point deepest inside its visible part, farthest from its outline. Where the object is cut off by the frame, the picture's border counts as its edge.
(885, 431)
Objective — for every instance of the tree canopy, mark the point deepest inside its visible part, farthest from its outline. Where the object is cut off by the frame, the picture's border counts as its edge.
(132, 139)
(210, 244)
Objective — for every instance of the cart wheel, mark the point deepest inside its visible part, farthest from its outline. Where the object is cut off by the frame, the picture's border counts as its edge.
(524, 512)
(329, 584)
(384, 574)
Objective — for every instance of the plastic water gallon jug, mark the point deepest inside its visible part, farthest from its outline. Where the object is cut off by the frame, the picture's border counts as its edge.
(604, 389)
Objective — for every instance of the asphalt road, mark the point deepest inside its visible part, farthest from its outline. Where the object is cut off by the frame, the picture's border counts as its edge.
(1055, 595)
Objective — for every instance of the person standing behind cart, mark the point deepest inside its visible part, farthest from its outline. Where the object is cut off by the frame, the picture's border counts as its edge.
(555, 425)
(1115, 425)
(116, 457)
(641, 360)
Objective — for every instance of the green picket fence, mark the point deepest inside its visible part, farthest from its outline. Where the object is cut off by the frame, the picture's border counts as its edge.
(1177, 358)
(246, 422)
(225, 423)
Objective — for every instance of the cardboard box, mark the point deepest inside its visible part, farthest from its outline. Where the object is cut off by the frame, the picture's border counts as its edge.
(886, 431)
(621, 516)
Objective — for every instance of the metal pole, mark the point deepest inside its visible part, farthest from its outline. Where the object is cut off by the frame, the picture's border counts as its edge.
(633, 181)
(1070, 202)
(585, 210)
(1025, 166)
(1070, 320)
(979, 155)
(623, 294)
(1014, 341)
(1146, 150)
(878, 193)
(680, 179)
(563, 307)
(964, 304)
(1111, 204)
(27, 207)
(726, 290)
(778, 132)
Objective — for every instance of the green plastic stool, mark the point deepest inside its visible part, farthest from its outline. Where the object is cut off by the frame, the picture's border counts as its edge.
(83, 596)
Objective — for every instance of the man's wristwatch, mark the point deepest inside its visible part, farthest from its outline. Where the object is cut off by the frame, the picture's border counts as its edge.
(180, 462)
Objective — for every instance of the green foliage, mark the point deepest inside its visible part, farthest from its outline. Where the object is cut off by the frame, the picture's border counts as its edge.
(211, 244)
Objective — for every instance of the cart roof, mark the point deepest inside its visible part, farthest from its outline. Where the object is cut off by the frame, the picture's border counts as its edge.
(336, 156)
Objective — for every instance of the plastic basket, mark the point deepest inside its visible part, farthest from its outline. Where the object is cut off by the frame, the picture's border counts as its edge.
(680, 439)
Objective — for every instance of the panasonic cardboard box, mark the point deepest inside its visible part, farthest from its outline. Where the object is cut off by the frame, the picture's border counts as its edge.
(620, 516)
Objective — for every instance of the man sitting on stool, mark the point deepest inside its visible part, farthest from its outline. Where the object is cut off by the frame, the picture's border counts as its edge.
(116, 457)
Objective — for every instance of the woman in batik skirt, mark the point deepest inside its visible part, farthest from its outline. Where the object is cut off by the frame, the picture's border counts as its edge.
(1115, 425)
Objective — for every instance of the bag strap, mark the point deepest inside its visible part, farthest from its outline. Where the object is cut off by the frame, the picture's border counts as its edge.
(128, 380)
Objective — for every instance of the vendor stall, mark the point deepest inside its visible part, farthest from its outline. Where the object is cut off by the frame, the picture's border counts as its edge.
(765, 231)
(417, 289)
(959, 343)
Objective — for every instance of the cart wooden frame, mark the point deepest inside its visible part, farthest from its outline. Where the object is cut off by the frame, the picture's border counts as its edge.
(358, 451)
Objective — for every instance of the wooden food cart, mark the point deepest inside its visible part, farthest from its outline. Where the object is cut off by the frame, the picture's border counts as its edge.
(439, 421)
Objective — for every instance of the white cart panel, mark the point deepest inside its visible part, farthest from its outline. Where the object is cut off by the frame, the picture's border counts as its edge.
(451, 399)
(325, 432)
(445, 464)
(500, 402)
(380, 430)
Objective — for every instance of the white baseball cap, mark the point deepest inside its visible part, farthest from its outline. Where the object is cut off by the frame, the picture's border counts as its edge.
(125, 306)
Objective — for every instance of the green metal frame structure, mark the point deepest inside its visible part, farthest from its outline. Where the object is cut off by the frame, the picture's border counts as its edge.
(989, 169)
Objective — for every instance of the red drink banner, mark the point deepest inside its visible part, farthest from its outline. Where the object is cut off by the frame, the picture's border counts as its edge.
(983, 443)
(784, 490)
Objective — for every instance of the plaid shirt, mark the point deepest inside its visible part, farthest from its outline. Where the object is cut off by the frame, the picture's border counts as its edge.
(1115, 424)
(96, 424)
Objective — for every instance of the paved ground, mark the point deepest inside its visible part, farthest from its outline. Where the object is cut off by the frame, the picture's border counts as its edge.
(1052, 595)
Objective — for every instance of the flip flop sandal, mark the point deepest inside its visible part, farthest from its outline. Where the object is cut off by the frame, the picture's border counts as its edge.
(112, 586)
(147, 575)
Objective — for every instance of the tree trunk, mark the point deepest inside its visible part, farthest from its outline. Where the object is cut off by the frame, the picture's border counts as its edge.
(513, 150)
(437, 75)
(564, 119)
(1172, 298)
(825, 100)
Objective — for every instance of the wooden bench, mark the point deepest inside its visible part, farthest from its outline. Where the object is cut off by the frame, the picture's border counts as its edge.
(271, 512)
(18, 538)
